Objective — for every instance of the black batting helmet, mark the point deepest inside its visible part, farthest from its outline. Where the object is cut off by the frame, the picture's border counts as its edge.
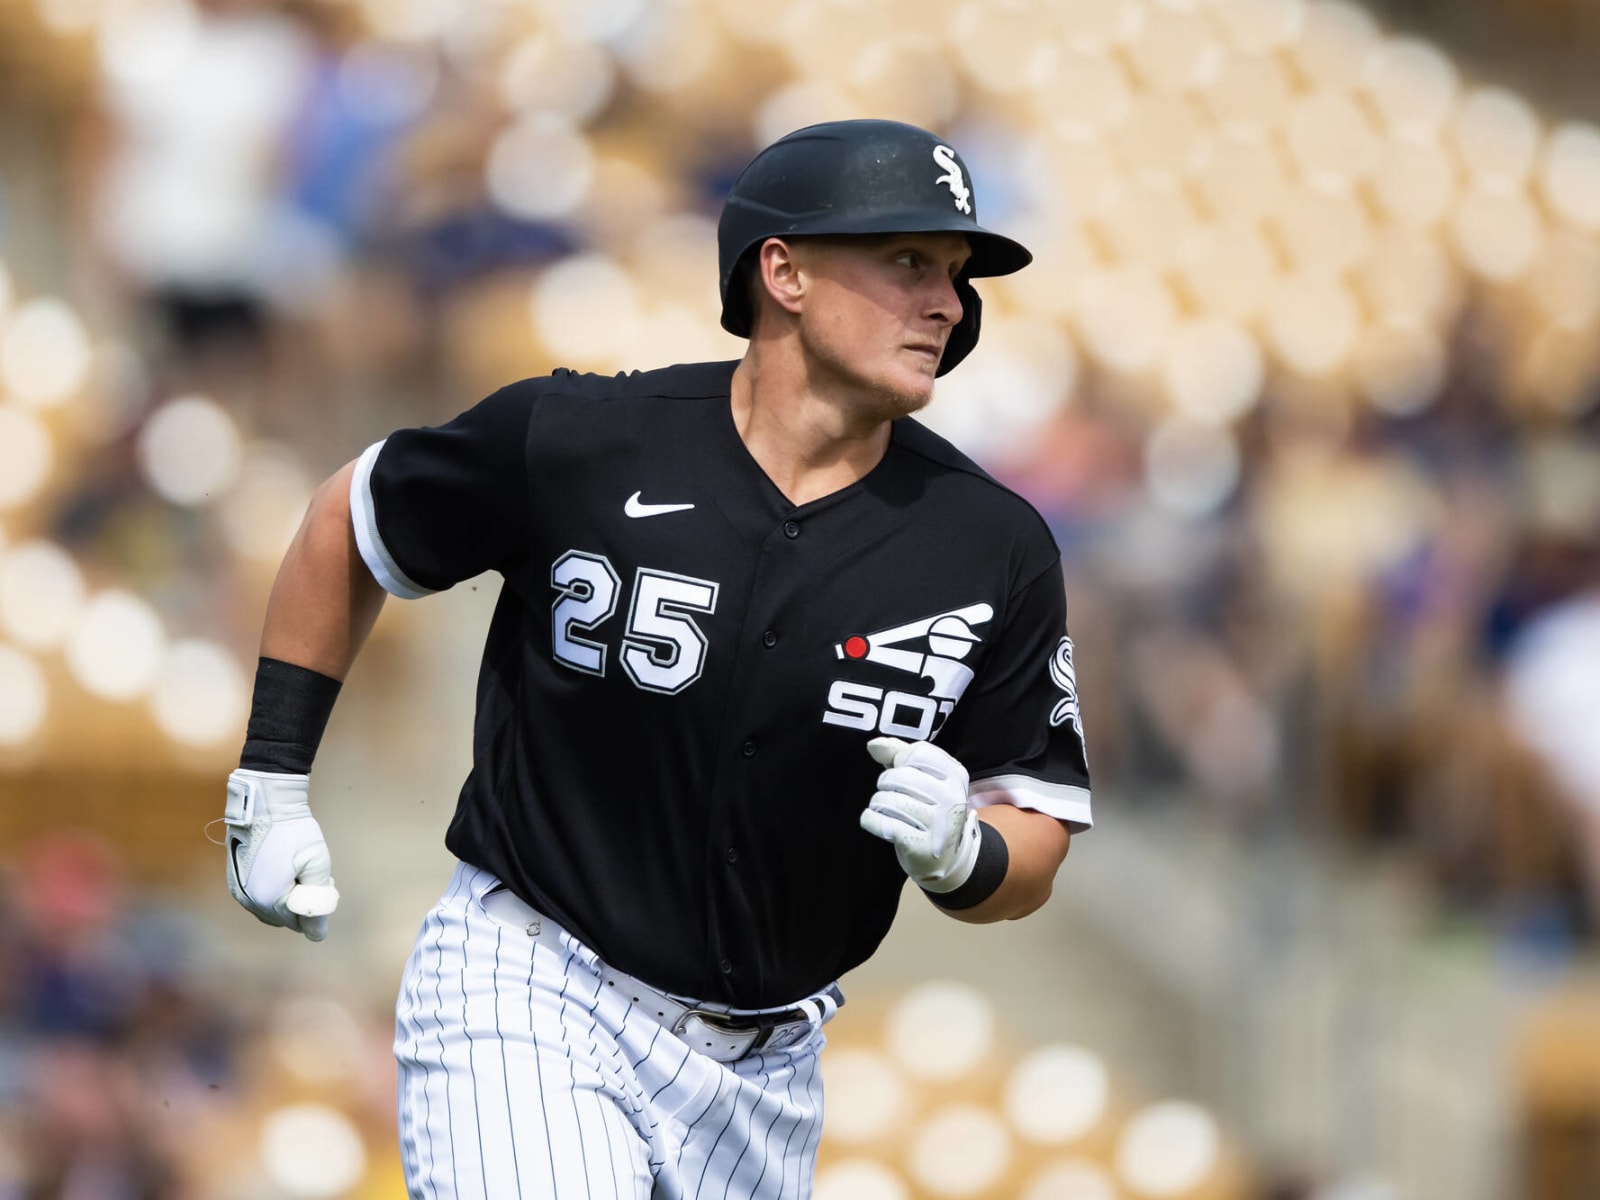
(846, 177)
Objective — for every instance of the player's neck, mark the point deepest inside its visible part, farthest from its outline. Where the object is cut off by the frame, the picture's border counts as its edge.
(809, 441)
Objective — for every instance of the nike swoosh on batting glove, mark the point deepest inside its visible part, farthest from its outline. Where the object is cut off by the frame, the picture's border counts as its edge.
(279, 867)
(921, 807)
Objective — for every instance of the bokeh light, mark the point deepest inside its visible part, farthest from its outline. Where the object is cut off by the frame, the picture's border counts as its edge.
(1175, 50)
(142, 43)
(1565, 280)
(1313, 324)
(1229, 271)
(1056, 1094)
(1214, 370)
(586, 309)
(1415, 181)
(189, 451)
(44, 353)
(1241, 179)
(858, 1179)
(1248, 93)
(998, 45)
(1408, 276)
(1083, 95)
(1096, 26)
(1126, 316)
(1571, 174)
(1162, 138)
(539, 167)
(867, 1097)
(798, 104)
(1497, 234)
(70, 17)
(263, 509)
(960, 1150)
(26, 455)
(1497, 133)
(549, 73)
(1332, 140)
(671, 48)
(317, 1039)
(117, 645)
(41, 591)
(1401, 367)
(1323, 233)
(24, 697)
(1259, 27)
(201, 697)
(940, 1031)
(1070, 1179)
(411, 20)
(1147, 226)
(312, 1151)
(1168, 1149)
(1334, 43)
(1412, 84)
(1192, 467)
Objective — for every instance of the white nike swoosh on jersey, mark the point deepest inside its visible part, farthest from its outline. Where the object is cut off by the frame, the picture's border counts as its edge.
(637, 508)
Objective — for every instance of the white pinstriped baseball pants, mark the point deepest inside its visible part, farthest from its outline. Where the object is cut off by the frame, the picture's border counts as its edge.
(520, 1077)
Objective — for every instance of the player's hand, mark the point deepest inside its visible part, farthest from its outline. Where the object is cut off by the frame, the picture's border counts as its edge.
(278, 863)
(921, 806)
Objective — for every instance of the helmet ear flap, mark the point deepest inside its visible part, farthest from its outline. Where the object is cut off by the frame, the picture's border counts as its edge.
(965, 334)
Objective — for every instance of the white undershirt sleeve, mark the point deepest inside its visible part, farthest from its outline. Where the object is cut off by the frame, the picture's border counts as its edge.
(1064, 802)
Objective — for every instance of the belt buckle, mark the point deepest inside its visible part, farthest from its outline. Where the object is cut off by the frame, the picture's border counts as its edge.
(766, 1031)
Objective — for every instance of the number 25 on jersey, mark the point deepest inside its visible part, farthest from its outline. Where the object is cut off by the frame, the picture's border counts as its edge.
(663, 649)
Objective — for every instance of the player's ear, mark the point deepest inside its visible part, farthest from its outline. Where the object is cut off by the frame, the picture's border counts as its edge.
(779, 277)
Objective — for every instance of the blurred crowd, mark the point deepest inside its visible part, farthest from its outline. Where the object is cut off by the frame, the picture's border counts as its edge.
(135, 1064)
(1372, 625)
(1377, 639)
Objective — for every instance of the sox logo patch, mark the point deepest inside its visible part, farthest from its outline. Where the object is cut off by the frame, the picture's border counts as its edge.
(929, 647)
(1065, 677)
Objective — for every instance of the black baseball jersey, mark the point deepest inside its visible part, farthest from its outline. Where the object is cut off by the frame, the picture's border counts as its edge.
(684, 668)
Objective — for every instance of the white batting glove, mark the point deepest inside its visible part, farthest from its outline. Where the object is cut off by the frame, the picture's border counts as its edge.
(921, 806)
(278, 862)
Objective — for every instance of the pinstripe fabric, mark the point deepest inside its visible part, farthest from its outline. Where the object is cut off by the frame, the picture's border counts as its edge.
(521, 1076)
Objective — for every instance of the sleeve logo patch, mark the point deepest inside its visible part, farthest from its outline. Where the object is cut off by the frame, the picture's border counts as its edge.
(1065, 678)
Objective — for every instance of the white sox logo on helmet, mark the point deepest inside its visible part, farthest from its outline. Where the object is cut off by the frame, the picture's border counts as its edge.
(953, 178)
(946, 638)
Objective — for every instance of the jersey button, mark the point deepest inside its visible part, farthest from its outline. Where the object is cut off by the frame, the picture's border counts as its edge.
(791, 529)
(733, 855)
(748, 749)
(727, 966)
(769, 639)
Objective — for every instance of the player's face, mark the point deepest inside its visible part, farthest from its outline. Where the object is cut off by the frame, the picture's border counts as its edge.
(878, 313)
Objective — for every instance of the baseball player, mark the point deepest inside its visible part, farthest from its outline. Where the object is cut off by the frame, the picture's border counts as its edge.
(765, 648)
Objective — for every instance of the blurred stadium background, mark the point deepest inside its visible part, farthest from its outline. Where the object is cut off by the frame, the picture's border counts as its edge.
(1304, 377)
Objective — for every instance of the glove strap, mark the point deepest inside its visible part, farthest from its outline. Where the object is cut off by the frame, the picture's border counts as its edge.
(988, 872)
(241, 806)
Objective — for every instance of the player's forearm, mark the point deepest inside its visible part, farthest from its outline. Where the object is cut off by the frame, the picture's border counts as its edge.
(324, 601)
(1036, 845)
